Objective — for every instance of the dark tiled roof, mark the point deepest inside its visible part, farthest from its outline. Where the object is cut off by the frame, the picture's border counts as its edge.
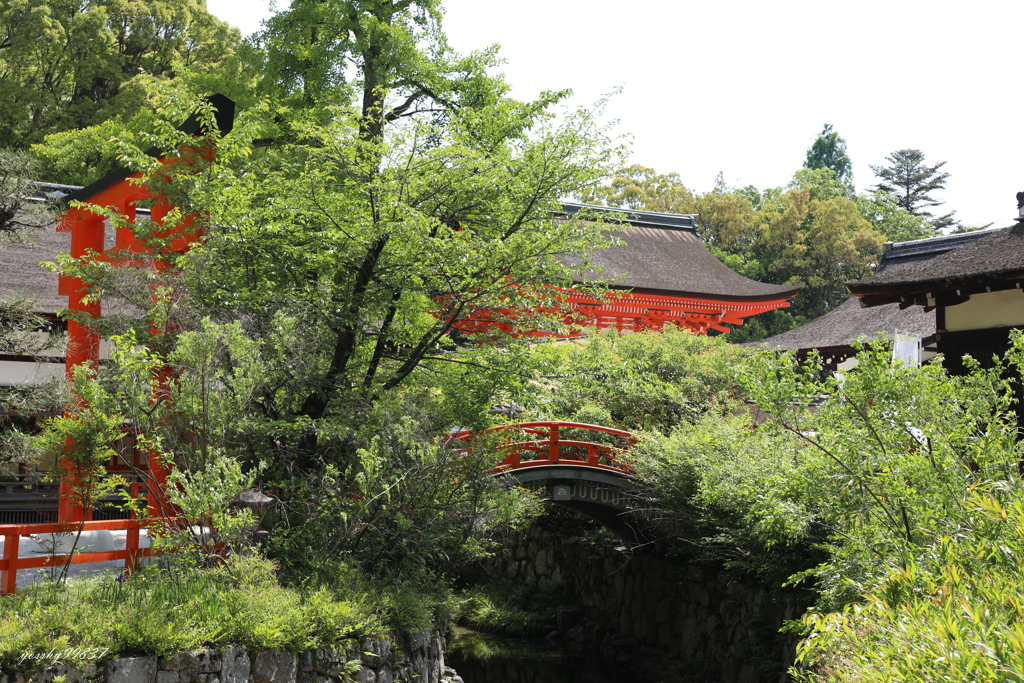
(848, 322)
(662, 254)
(991, 254)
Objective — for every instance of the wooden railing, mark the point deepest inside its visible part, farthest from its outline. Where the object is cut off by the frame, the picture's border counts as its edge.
(552, 449)
(31, 487)
(12, 534)
(35, 495)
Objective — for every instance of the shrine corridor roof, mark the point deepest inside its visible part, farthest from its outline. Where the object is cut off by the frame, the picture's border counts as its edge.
(672, 261)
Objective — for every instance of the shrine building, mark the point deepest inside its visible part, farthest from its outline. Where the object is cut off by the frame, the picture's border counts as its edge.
(660, 274)
(974, 290)
(835, 335)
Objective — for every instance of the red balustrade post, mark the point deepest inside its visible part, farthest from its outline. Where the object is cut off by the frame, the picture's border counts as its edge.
(131, 544)
(9, 575)
(554, 449)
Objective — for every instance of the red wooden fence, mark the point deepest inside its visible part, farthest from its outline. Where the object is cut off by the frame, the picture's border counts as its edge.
(10, 563)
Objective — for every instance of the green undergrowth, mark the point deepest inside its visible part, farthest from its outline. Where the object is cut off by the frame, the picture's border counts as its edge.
(955, 612)
(510, 609)
(160, 612)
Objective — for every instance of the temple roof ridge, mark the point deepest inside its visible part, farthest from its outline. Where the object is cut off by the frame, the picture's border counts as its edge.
(637, 218)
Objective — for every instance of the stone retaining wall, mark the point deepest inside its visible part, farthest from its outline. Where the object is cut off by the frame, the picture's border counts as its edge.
(373, 660)
(704, 623)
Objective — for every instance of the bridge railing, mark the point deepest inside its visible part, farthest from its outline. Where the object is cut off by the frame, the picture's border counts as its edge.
(551, 449)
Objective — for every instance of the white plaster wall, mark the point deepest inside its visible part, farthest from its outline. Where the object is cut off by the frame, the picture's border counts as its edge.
(988, 309)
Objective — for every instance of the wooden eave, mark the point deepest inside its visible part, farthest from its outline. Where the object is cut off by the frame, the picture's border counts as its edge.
(781, 296)
(224, 114)
(934, 293)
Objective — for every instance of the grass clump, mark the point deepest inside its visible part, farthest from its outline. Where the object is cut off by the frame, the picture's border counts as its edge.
(510, 609)
(160, 612)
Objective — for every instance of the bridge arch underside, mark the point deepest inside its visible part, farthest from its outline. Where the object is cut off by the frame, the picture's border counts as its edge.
(603, 495)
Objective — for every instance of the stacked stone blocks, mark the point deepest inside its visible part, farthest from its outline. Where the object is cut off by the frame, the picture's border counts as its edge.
(372, 660)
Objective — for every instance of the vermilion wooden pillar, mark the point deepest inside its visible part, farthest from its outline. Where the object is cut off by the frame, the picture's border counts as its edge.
(118, 190)
(87, 233)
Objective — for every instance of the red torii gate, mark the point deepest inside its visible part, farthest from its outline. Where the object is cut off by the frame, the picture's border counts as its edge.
(120, 192)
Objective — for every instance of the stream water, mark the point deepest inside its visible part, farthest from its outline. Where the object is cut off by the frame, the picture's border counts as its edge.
(481, 658)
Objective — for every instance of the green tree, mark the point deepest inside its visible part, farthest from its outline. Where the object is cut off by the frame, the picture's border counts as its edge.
(72, 64)
(829, 151)
(912, 181)
(639, 187)
(889, 219)
(809, 233)
(923, 505)
(813, 236)
(351, 223)
(724, 217)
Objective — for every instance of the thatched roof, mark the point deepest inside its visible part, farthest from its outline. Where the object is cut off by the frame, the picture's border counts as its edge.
(992, 259)
(848, 323)
(662, 254)
(22, 276)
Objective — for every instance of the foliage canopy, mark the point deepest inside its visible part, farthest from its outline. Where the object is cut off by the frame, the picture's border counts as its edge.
(349, 221)
(65, 64)
(829, 151)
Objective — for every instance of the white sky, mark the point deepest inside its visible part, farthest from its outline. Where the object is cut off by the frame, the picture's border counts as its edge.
(743, 87)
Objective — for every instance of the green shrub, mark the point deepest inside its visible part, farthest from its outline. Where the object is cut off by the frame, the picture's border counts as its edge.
(651, 380)
(735, 495)
(955, 612)
(509, 609)
(159, 611)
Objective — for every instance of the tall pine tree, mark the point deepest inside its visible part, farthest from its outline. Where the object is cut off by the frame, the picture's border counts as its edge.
(912, 181)
(829, 151)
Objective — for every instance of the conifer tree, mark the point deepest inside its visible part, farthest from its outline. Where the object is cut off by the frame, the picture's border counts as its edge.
(913, 181)
(829, 151)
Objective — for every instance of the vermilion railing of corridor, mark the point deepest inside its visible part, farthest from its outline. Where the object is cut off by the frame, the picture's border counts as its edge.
(11, 534)
(551, 449)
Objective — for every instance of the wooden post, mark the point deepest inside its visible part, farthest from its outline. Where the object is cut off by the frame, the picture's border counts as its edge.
(87, 231)
(131, 563)
(554, 449)
(9, 575)
(156, 493)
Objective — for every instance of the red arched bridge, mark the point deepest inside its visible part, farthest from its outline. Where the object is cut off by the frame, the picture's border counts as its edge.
(571, 463)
